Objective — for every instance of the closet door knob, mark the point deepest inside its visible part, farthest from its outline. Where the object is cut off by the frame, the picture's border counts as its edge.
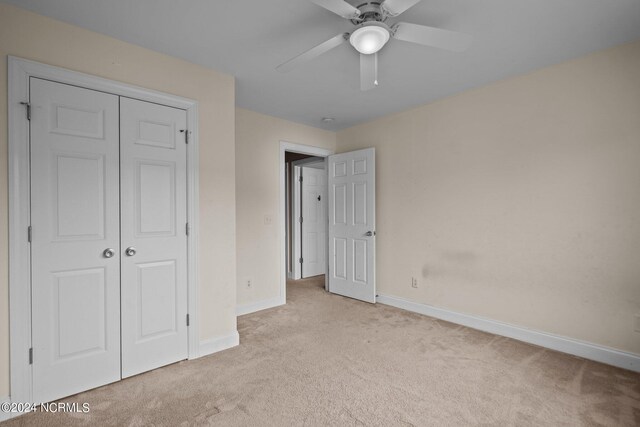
(130, 251)
(108, 253)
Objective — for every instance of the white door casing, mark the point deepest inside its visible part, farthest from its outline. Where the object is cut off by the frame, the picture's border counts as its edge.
(153, 221)
(75, 218)
(352, 224)
(296, 226)
(314, 221)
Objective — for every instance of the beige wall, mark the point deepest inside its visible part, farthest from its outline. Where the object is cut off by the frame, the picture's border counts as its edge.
(34, 37)
(258, 195)
(518, 201)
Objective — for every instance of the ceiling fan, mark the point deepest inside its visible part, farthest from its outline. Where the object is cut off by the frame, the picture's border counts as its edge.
(372, 32)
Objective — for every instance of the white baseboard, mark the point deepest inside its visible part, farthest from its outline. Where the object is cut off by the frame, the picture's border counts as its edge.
(4, 416)
(587, 350)
(217, 344)
(259, 305)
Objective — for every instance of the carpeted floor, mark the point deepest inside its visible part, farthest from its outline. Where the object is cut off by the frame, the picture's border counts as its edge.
(327, 360)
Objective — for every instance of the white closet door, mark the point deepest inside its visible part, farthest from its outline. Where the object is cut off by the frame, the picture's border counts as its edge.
(75, 209)
(154, 242)
(314, 221)
(352, 224)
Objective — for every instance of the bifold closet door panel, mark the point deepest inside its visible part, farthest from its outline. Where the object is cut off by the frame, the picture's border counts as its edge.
(75, 239)
(153, 161)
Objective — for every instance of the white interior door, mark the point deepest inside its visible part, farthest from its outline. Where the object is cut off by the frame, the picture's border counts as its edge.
(154, 241)
(314, 220)
(352, 224)
(74, 218)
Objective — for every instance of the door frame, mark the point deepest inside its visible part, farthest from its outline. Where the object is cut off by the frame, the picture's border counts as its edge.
(19, 72)
(293, 148)
(296, 203)
(296, 242)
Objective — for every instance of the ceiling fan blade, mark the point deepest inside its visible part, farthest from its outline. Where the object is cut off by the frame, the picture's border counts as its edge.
(396, 7)
(312, 53)
(339, 7)
(368, 71)
(430, 36)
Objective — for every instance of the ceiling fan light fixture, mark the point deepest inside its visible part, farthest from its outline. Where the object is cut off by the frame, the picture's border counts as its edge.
(369, 38)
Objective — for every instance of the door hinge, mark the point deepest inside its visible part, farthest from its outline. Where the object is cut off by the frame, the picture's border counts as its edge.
(300, 219)
(186, 135)
(187, 320)
(187, 228)
(26, 104)
(29, 234)
(300, 179)
(31, 356)
(300, 260)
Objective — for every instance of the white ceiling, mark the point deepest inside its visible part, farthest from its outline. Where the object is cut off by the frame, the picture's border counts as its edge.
(249, 38)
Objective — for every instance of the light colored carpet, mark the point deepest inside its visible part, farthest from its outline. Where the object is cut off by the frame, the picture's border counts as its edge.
(327, 360)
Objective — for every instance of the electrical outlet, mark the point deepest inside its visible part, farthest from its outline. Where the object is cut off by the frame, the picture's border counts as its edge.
(268, 219)
(414, 282)
(248, 283)
(637, 323)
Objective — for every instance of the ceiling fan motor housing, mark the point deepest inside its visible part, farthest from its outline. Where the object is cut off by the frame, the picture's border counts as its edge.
(369, 11)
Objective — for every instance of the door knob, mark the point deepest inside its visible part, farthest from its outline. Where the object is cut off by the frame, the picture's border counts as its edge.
(370, 233)
(108, 253)
(130, 251)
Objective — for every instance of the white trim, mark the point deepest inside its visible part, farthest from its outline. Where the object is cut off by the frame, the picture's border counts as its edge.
(193, 217)
(19, 72)
(264, 304)
(4, 416)
(293, 148)
(217, 344)
(296, 232)
(572, 346)
(309, 161)
(287, 213)
(19, 254)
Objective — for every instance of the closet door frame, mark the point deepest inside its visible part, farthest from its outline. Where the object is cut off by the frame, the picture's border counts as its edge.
(19, 72)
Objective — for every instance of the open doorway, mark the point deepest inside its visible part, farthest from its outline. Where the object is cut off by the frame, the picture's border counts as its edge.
(306, 219)
(350, 236)
(307, 213)
(304, 245)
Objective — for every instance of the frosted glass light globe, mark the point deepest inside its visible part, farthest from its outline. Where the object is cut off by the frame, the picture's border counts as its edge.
(369, 38)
